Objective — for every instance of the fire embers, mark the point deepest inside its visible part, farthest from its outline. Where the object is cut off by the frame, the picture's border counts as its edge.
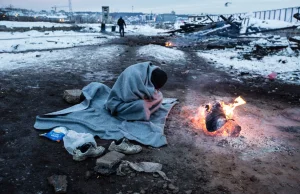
(215, 117)
(169, 44)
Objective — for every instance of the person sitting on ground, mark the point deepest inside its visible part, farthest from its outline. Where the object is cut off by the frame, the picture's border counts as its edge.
(135, 95)
(121, 23)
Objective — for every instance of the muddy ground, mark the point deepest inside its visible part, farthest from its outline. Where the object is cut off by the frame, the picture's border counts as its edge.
(264, 159)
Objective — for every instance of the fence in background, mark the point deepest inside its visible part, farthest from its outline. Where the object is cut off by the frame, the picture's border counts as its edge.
(285, 14)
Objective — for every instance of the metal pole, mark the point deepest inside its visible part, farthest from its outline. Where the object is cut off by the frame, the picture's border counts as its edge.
(280, 14)
(292, 14)
(285, 15)
(260, 15)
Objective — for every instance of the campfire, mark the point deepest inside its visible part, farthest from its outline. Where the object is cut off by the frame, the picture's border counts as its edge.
(217, 119)
(169, 44)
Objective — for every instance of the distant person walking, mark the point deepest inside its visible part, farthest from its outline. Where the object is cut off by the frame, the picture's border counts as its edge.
(121, 24)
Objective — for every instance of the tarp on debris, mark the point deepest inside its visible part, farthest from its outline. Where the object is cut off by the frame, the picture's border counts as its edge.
(91, 116)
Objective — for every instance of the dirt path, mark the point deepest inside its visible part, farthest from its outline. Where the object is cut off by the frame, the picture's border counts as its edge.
(264, 159)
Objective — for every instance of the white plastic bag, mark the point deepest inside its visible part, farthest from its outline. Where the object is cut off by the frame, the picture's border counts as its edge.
(73, 140)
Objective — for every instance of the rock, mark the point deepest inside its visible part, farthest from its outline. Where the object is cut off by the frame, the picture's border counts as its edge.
(254, 179)
(88, 175)
(172, 187)
(189, 192)
(165, 186)
(16, 46)
(244, 73)
(110, 159)
(105, 170)
(108, 164)
(72, 96)
(59, 183)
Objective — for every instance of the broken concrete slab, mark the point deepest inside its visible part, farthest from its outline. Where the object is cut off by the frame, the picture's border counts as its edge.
(110, 159)
(72, 96)
(59, 183)
(106, 171)
(108, 164)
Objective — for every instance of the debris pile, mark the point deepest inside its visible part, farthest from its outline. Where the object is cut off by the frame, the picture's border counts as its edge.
(235, 32)
(259, 46)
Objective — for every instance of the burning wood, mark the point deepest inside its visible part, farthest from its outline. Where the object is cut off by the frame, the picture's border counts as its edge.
(169, 44)
(217, 119)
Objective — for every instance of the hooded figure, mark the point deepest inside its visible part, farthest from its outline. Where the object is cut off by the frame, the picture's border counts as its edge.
(135, 95)
(121, 23)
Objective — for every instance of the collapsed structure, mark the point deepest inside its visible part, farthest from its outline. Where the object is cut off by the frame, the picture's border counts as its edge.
(257, 38)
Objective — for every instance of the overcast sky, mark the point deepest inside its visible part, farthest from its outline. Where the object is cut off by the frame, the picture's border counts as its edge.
(157, 6)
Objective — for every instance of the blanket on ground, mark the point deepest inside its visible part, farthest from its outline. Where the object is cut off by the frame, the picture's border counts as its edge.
(94, 116)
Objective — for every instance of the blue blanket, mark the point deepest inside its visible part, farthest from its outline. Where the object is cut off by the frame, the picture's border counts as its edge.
(94, 114)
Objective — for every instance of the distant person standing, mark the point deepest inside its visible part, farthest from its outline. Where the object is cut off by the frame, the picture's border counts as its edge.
(121, 24)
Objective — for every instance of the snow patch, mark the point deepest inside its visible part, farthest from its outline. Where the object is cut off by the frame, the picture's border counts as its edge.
(162, 53)
(34, 40)
(145, 30)
(269, 24)
(230, 59)
(10, 61)
(12, 24)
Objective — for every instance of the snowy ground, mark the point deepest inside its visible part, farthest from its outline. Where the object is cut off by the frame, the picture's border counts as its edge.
(286, 67)
(10, 61)
(90, 35)
(11, 24)
(34, 40)
(161, 53)
(145, 30)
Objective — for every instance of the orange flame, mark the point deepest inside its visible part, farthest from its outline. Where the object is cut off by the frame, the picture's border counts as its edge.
(169, 44)
(228, 108)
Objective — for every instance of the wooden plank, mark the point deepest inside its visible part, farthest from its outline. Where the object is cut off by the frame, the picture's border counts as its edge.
(271, 30)
(210, 19)
(229, 22)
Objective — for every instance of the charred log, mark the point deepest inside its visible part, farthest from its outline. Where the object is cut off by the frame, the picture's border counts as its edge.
(215, 118)
(228, 21)
(232, 129)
